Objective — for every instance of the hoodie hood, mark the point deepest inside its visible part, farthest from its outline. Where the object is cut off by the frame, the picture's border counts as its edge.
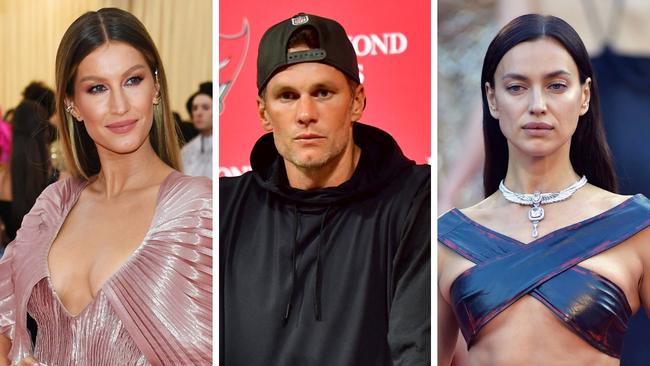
(381, 159)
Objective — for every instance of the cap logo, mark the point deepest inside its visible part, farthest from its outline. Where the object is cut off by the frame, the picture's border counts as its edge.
(300, 19)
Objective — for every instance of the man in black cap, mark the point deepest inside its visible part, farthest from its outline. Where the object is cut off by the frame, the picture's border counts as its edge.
(325, 244)
(197, 153)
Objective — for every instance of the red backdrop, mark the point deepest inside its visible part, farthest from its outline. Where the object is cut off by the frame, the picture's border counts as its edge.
(392, 41)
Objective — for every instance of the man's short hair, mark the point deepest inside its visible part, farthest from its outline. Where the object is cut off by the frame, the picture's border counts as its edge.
(305, 36)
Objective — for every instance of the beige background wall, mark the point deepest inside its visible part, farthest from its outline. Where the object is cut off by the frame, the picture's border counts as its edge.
(30, 31)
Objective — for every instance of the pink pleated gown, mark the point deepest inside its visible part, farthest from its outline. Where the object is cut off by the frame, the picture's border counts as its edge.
(155, 310)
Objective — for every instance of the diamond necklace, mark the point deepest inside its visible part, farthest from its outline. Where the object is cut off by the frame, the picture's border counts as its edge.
(536, 199)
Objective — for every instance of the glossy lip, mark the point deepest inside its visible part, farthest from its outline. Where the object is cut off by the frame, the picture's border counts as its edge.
(537, 129)
(122, 127)
(537, 126)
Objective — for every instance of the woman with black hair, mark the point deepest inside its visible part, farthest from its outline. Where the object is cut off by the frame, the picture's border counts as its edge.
(29, 171)
(549, 267)
(30, 168)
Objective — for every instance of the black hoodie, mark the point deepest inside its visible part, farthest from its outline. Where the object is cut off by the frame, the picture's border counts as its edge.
(334, 276)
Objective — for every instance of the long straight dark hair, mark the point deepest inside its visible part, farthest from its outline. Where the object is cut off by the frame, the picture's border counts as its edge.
(589, 154)
(30, 165)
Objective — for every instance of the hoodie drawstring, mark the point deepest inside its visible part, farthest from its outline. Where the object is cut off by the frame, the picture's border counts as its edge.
(293, 264)
(318, 278)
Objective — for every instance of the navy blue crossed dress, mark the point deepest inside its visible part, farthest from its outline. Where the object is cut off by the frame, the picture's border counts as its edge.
(589, 304)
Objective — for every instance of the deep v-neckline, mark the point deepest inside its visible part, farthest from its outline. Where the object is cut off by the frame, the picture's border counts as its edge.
(120, 269)
(549, 235)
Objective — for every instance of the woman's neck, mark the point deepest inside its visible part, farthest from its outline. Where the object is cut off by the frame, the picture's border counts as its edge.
(124, 172)
(545, 174)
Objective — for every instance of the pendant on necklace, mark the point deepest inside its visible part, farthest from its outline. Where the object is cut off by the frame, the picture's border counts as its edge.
(536, 213)
(536, 199)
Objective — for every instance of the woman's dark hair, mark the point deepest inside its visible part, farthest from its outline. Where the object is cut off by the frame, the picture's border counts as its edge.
(590, 155)
(42, 94)
(90, 31)
(30, 168)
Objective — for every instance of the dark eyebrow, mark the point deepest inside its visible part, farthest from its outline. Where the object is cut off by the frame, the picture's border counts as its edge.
(281, 89)
(289, 88)
(130, 70)
(324, 85)
(547, 76)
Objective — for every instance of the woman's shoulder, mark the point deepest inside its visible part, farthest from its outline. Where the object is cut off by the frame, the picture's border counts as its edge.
(184, 209)
(483, 210)
(48, 211)
(61, 191)
(601, 200)
(183, 196)
(192, 185)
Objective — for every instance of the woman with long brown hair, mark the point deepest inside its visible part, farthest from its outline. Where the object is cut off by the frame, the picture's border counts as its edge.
(114, 264)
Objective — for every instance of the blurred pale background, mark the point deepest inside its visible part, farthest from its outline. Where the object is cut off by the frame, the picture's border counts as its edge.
(30, 31)
(465, 28)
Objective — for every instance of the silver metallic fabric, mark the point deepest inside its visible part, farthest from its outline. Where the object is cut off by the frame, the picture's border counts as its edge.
(161, 296)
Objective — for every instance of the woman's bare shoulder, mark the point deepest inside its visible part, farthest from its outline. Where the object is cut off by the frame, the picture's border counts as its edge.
(483, 210)
(602, 200)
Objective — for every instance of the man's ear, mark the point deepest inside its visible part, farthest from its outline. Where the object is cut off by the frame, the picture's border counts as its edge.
(492, 101)
(358, 102)
(261, 112)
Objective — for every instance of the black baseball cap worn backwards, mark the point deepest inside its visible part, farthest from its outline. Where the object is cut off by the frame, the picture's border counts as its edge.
(335, 48)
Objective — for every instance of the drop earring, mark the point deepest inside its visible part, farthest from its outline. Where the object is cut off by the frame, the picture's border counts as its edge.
(156, 99)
